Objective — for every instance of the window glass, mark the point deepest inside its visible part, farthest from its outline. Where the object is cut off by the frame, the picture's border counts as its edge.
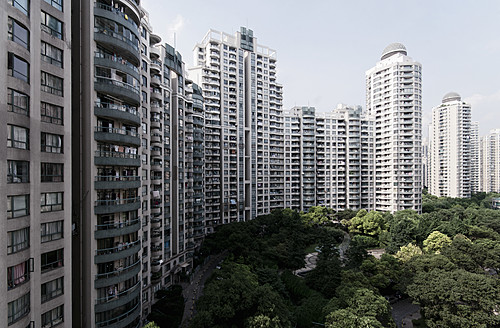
(52, 260)
(51, 143)
(51, 84)
(18, 171)
(52, 289)
(51, 25)
(51, 54)
(51, 231)
(58, 4)
(51, 113)
(22, 5)
(53, 317)
(51, 201)
(18, 102)
(18, 308)
(18, 274)
(18, 206)
(18, 240)
(18, 33)
(17, 137)
(18, 68)
(52, 172)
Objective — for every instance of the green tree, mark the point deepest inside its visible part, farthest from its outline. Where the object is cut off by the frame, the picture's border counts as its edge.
(371, 223)
(345, 318)
(457, 298)
(317, 215)
(435, 241)
(407, 252)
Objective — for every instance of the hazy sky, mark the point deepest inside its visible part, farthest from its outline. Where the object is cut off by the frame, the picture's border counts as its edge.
(325, 47)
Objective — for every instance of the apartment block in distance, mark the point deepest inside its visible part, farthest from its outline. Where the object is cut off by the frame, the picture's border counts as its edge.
(394, 98)
(490, 162)
(244, 163)
(451, 169)
(329, 158)
(35, 155)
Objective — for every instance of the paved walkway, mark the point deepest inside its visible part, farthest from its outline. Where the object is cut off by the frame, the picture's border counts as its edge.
(404, 312)
(192, 291)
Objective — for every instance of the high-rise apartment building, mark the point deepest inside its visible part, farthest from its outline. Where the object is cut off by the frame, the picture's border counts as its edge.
(243, 126)
(137, 133)
(475, 159)
(329, 158)
(450, 170)
(490, 162)
(394, 99)
(425, 162)
(35, 261)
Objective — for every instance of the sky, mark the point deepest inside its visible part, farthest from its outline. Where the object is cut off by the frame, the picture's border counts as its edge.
(325, 47)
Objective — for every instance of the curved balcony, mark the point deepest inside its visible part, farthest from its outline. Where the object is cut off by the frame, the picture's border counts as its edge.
(116, 253)
(118, 42)
(156, 108)
(117, 63)
(154, 39)
(156, 79)
(154, 52)
(117, 276)
(105, 206)
(113, 301)
(123, 113)
(117, 136)
(117, 182)
(103, 10)
(119, 89)
(123, 319)
(116, 158)
(155, 66)
(156, 95)
(116, 229)
(156, 124)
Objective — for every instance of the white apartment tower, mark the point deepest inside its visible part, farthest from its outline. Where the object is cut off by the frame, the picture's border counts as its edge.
(475, 159)
(394, 98)
(244, 169)
(490, 162)
(450, 148)
(329, 158)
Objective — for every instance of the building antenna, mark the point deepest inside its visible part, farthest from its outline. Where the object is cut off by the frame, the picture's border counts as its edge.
(175, 40)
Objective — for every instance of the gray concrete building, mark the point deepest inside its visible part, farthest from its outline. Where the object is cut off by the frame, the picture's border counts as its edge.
(35, 155)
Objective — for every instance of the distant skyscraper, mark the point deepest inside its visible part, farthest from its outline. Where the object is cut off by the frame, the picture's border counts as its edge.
(244, 170)
(394, 99)
(475, 158)
(451, 148)
(490, 162)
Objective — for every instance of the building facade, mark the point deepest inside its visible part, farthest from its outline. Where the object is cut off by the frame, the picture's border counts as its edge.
(329, 158)
(35, 155)
(451, 168)
(243, 127)
(490, 162)
(394, 99)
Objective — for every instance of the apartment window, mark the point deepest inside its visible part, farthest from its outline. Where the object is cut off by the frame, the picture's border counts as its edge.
(17, 137)
(51, 113)
(51, 143)
(58, 4)
(18, 33)
(51, 84)
(51, 231)
(53, 317)
(18, 102)
(18, 206)
(51, 201)
(51, 25)
(18, 308)
(18, 68)
(52, 55)
(52, 289)
(18, 274)
(22, 5)
(52, 260)
(18, 240)
(18, 171)
(52, 172)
